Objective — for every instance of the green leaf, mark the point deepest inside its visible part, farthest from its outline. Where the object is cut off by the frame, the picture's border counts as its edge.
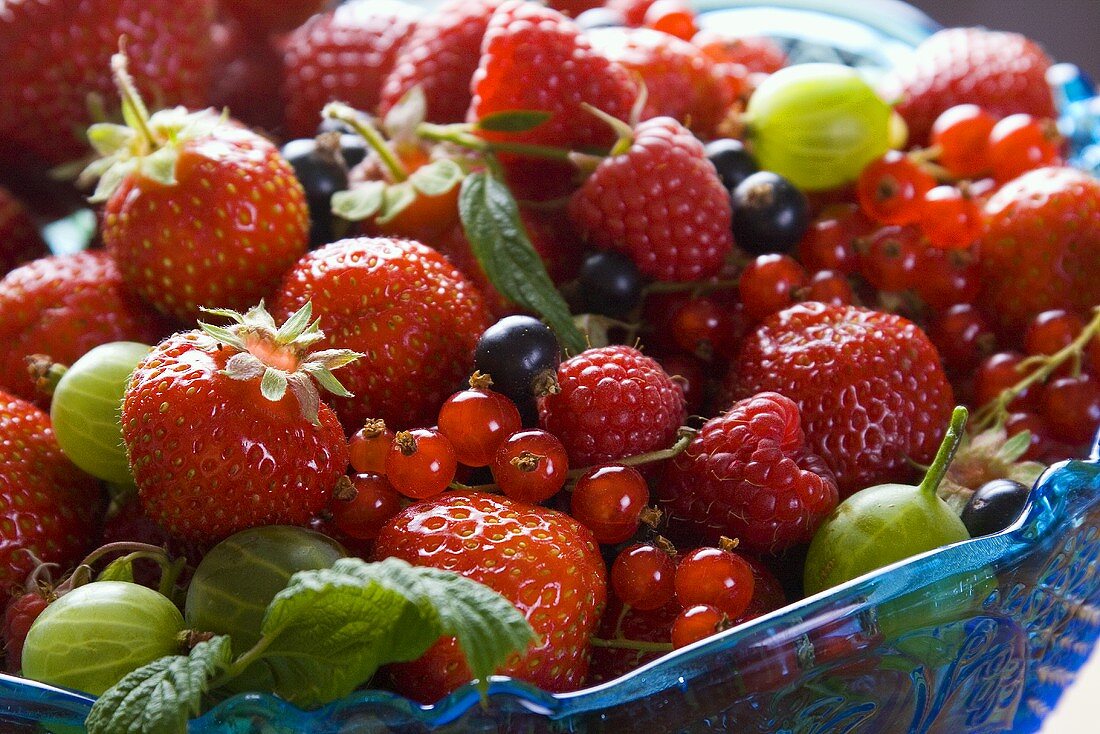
(296, 324)
(490, 217)
(331, 629)
(437, 178)
(160, 697)
(273, 384)
(120, 569)
(359, 203)
(513, 121)
(395, 199)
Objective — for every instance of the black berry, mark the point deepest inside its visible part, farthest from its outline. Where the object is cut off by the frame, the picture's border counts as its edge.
(322, 171)
(731, 160)
(521, 355)
(609, 284)
(770, 214)
(994, 506)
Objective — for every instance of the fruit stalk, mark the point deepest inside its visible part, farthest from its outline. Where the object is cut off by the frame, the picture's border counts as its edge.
(946, 453)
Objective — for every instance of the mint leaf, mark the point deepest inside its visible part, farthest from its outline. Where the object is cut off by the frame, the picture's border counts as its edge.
(160, 697)
(329, 630)
(513, 121)
(490, 217)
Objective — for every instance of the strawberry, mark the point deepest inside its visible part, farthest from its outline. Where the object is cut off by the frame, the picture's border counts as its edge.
(262, 17)
(247, 76)
(869, 387)
(660, 202)
(225, 428)
(62, 307)
(441, 57)
(49, 509)
(1002, 73)
(19, 239)
(543, 561)
(56, 55)
(343, 55)
(1041, 248)
(679, 78)
(402, 304)
(534, 58)
(197, 211)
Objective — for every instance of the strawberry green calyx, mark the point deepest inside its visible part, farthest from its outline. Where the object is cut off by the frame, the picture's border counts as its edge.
(145, 144)
(280, 356)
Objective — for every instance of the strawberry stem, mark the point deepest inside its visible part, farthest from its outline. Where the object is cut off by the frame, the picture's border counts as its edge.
(134, 110)
(996, 411)
(946, 453)
(362, 125)
(459, 135)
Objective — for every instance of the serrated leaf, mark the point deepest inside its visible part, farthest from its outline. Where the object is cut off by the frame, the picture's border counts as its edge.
(296, 324)
(513, 121)
(359, 203)
(490, 218)
(437, 178)
(160, 697)
(331, 629)
(327, 380)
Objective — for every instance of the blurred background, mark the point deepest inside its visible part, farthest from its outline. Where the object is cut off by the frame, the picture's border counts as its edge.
(1069, 30)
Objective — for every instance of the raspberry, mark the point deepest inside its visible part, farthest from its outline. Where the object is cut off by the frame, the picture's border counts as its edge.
(342, 55)
(869, 386)
(675, 224)
(756, 53)
(632, 11)
(1002, 73)
(441, 57)
(749, 474)
(614, 402)
(679, 78)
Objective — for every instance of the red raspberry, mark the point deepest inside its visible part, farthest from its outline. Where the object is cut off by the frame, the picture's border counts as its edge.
(748, 474)
(573, 8)
(869, 386)
(18, 618)
(679, 78)
(1041, 248)
(343, 55)
(535, 58)
(632, 11)
(756, 53)
(441, 57)
(614, 402)
(661, 203)
(1002, 73)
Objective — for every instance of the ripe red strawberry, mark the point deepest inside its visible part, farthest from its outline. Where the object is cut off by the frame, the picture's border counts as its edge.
(225, 429)
(1002, 73)
(534, 58)
(661, 203)
(263, 16)
(869, 386)
(748, 474)
(19, 239)
(49, 509)
(1041, 248)
(543, 561)
(343, 55)
(414, 316)
(247, 76)
(56, 55)
(441, 57)
(679, 78)
(614, 402)
(198, 211)
(62, 307)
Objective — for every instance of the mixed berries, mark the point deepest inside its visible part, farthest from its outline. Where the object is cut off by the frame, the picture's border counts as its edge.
(603, 311)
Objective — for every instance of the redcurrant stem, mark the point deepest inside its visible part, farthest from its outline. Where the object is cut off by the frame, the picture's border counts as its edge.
(948, 447)
(619, 621)
(697, 288)
(638, 645)
(995, 412)
(460, 135)
(362, 125)
(491, 488)
(683, 440)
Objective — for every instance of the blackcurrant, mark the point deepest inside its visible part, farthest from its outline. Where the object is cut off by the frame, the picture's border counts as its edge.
(770, 214)
(994, 506)
(732, 161)
(521, 355)
(609, 284)
(322, 172)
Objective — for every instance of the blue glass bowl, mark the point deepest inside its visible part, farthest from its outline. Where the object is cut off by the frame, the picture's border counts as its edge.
(980, 636)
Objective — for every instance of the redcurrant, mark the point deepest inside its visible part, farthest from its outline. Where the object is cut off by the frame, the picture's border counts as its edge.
(947, 277)
(828, 242)
(421, 463)
(889, 257)
(1020, 143)
(699, 326)
(477, 421)
(768, 283)
(1039, 431)
(998, 373)
(642, 576)
(963, 337)
(717, 577)
(696, 623)
(363, 504)
(962, 135)
(674, 17)
(1052, 331)
(368, 447)
(1071, 407)
(530, 466)
(950, 218)
(891, 189)
(609, 500)
(829, 286)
